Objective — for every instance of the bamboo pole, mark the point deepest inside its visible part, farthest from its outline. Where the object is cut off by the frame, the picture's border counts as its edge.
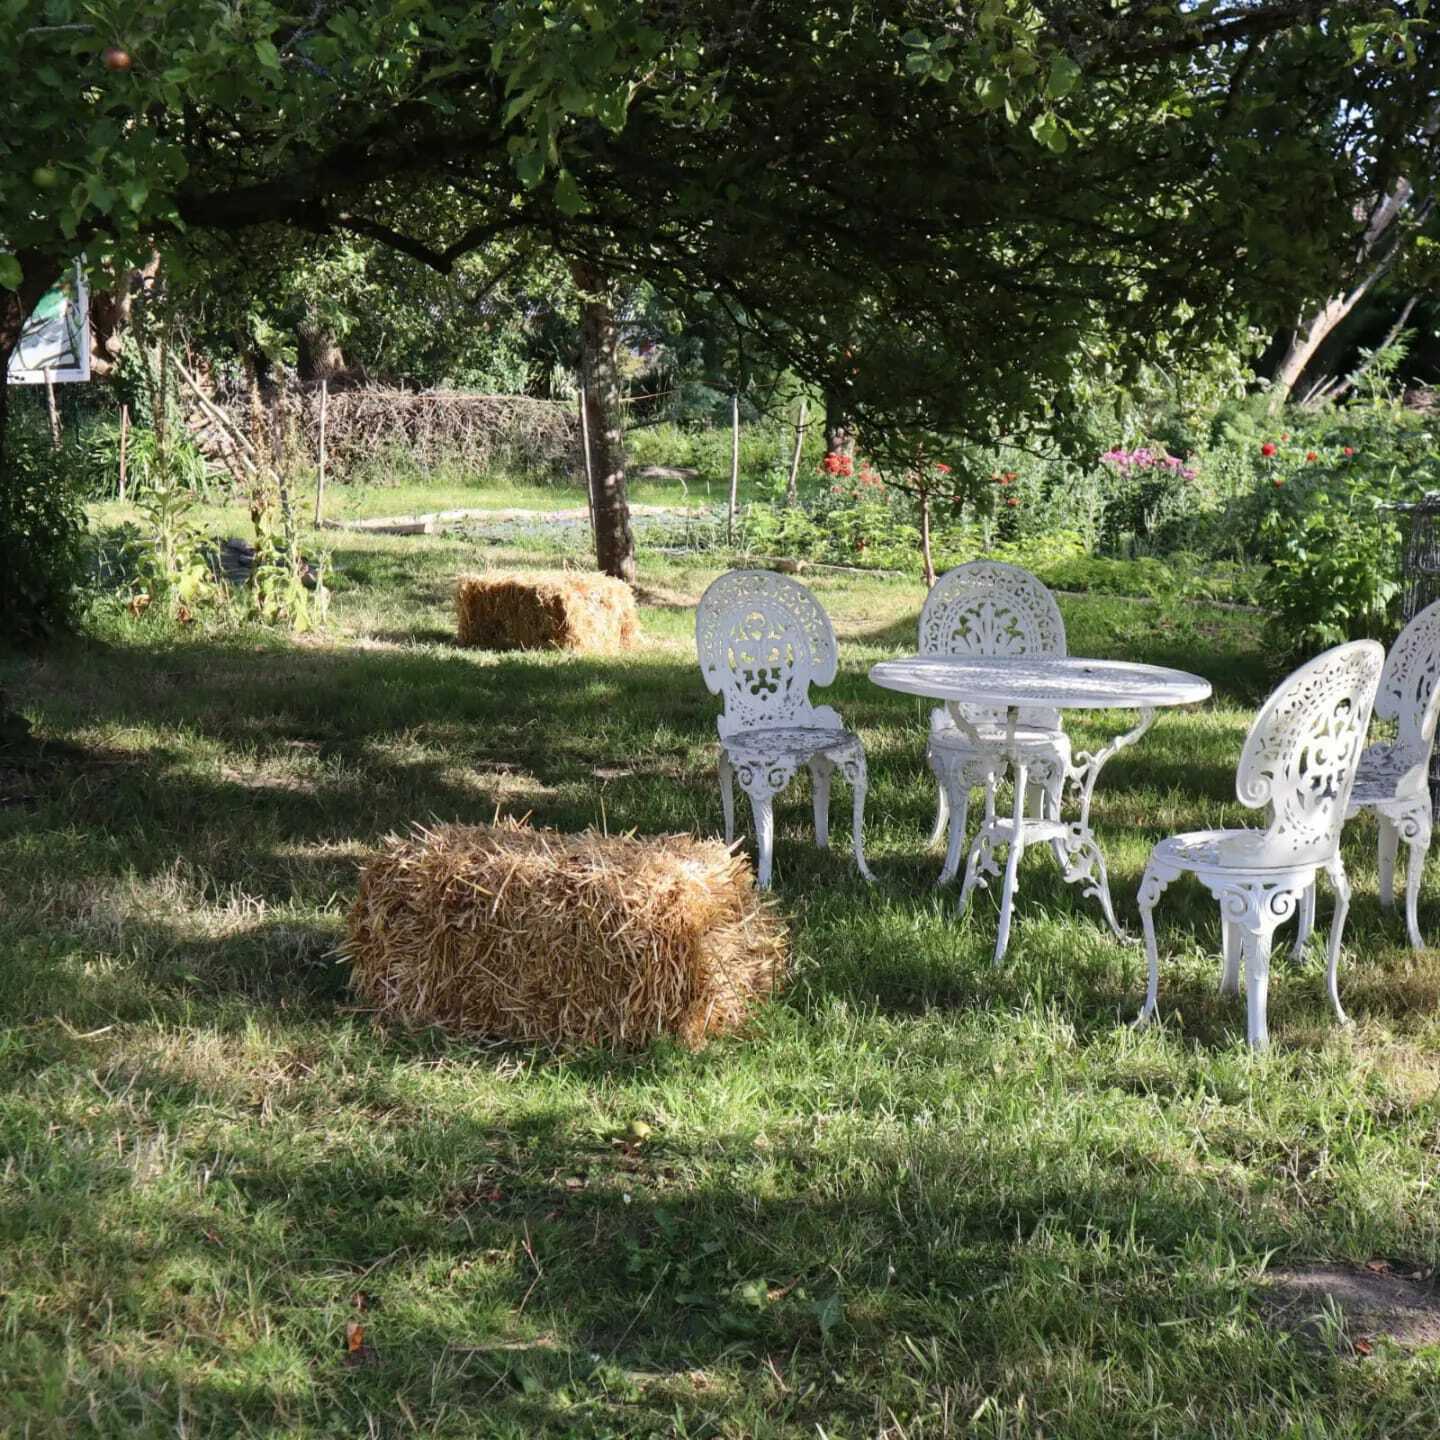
(53, 409)
(734, 465)
(589, 477)
(792, 494)
(124, 446)
(320, 472)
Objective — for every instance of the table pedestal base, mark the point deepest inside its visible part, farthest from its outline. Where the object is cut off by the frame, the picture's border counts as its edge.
(1072, 842)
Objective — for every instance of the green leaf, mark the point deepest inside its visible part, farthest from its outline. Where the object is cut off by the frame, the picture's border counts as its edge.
(10, 273)
(567, 194)
(991, 90)
(1047, 129)
(530, 167)
(1064, 76)
(267, 54)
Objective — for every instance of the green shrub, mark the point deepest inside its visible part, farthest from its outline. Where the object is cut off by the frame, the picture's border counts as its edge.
(1335, 552)
(42, 529)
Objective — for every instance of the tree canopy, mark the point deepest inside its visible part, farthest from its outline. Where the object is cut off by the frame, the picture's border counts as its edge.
(943, 211)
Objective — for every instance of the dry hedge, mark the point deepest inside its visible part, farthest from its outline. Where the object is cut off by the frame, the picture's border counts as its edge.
(562, 610)
(525, 934)
(539, 438)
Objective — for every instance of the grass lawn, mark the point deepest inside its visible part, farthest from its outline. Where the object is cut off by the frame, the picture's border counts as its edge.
(918, 1197)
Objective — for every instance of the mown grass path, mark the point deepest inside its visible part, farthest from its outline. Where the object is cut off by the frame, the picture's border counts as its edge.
(917, 1197)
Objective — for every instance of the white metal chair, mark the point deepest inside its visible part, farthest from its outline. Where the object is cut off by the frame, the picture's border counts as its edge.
(763, 640)
(1301, 757)
(1394, 778)
(989, 608)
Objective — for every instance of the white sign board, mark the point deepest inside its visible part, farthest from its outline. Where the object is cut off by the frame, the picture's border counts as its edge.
(55, 342)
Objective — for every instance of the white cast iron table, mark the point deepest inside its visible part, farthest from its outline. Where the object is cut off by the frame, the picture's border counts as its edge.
(1013, 683)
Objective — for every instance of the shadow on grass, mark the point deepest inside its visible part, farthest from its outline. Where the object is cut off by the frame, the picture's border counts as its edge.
(569, 1283)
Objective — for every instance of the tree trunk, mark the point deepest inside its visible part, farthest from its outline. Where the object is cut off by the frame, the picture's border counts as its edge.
(839, 428)
(317, 352)
(1391, 336)
(1380, 245)
(605, 425)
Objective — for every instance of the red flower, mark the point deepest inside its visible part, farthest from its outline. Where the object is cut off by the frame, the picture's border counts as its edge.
(1311, 455)
(1012, 501)
(942, 468)
(1268, 449)
(1349, 449)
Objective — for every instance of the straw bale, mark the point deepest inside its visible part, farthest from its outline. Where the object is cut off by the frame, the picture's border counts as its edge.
(529, 934)
(561, 610)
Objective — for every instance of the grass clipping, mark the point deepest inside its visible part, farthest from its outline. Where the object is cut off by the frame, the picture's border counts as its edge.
(559, 611)
(529, 934)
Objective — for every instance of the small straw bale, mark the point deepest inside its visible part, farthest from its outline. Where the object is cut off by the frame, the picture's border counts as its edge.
(561, 610)
(530, 934)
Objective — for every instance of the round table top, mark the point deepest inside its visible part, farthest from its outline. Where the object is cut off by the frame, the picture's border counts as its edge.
(1053, 682)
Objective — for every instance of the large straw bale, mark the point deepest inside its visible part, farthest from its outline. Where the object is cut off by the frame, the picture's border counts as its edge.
(561, 610)
(529, 934)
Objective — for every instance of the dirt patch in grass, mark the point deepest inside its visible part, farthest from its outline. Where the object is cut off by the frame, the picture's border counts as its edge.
(1373, 1301)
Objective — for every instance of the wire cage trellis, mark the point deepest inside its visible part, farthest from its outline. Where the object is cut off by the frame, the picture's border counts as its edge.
(1420, 578)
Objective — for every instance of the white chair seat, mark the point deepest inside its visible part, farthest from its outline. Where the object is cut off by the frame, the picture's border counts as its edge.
(793, 742)
(1385, 768)
(992, 736)
(1240, 849)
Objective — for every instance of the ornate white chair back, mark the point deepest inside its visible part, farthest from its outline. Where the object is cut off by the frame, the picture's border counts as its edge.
(1409, 694)
(989, 608)
(1303, 750)
(763, 640)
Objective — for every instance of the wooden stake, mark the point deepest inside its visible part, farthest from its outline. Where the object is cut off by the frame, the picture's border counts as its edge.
(734, 465)
(589, 478)
(792, 494)
(124, 446)
(320, 473)
(926, 554)
(54, 411)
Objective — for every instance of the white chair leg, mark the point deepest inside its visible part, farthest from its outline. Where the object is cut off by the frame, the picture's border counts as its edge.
(1150, 891)
(1255, 945)
(1231, 947)
(1054, 792)
(958, 809)
(821, 770)
(763, 808)
(856, 774)
(1341, 881)
(1389, 846)
(1305, 927)
(1012, 865)
(1413, 826)
(942, 804)
(1035, 798)
(1414, 873)
(727, 796)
